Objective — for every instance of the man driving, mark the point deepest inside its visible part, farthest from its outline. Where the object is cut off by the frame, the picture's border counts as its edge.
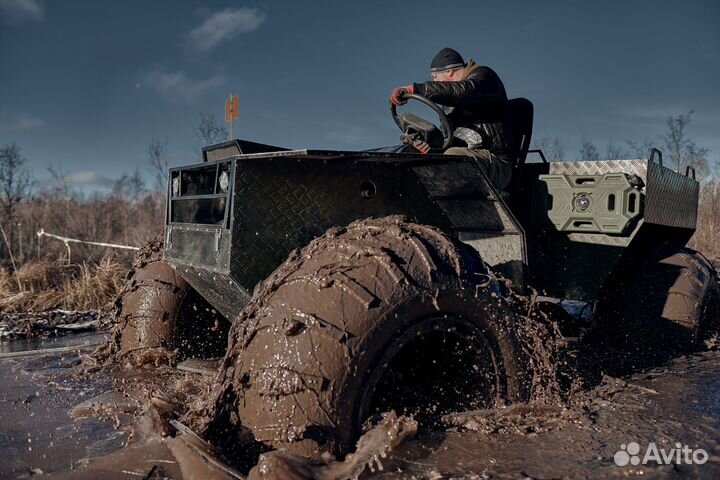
(474, 99)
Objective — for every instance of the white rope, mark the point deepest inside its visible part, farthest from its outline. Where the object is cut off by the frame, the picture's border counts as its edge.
(67, 240)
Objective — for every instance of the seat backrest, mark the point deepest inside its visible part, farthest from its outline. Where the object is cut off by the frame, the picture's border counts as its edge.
(521, 113)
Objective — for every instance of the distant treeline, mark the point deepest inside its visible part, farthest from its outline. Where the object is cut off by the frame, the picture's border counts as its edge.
(133, 212)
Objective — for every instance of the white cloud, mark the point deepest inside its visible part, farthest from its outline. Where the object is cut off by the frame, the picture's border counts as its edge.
(88, 178)
(223, 26)
(351, 136)
(652, 112)
(354, 136)
(22, 10)
(176, 86)
(79, 179)
(21, 121)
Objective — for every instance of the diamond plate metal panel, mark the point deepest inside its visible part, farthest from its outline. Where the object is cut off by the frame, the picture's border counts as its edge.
(281, 203)
(601, 239)
(637, 167)
(575, 265)
(671, 198)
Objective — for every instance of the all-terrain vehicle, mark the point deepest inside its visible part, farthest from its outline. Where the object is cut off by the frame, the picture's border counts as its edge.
(342, 282)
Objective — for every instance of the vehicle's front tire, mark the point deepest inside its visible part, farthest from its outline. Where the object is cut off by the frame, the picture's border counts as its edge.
(158, 310)
(383, 314)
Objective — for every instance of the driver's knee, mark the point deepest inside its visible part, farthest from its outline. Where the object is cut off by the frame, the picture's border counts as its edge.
(457, 151)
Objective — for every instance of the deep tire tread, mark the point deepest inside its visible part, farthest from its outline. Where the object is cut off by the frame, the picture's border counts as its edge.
(387, 263)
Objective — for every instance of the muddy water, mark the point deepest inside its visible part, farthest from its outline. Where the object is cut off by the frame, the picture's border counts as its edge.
(85, 339)
(676, 401)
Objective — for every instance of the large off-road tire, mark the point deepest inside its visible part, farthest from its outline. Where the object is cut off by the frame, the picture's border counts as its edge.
(381, 314)
(157, 309)
(146, 310)
(672, 303)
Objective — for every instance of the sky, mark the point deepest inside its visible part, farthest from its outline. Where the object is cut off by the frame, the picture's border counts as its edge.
(86, 85)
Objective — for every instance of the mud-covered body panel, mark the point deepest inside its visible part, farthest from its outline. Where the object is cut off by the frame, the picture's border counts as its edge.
(280, 201)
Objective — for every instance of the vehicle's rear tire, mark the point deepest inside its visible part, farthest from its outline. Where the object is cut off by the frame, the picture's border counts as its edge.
(672, 303)
(381, 314)
(157, 309)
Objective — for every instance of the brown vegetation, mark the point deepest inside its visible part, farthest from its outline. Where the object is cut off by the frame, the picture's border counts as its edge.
(111, 219)
(82, 277)
(707, 237)
(46, 285)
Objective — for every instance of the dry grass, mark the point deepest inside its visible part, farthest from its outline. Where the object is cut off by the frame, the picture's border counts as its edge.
(95, 274)
(707, 236)
(47, 285)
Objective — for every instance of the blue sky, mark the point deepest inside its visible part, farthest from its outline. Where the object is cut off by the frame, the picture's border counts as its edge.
(85, 85)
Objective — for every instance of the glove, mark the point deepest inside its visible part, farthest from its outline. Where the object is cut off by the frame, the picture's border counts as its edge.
(421, 146)
(399, 92)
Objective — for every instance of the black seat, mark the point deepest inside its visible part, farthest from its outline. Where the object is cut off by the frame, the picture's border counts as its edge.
(521, 114)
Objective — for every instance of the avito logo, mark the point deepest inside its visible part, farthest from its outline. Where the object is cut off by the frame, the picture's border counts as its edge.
(681, 454)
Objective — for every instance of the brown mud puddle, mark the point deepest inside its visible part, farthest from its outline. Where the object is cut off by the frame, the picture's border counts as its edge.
(123, 431)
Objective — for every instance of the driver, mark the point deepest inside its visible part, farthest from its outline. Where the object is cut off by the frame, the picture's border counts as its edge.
(474, 99)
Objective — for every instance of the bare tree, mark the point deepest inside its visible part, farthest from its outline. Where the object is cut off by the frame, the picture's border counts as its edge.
(15, 182)
(59, 185)
(696, 157)
(683, 151)
(552, 147)
(675, 140)
(640, 149)
(130, 186)
(209, 130)
(159, 162)
(588, 151)
(614, 152)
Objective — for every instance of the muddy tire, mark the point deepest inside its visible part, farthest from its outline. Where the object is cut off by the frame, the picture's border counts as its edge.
(672, 303)
(148, 307)
(381, 314)
(157, 309)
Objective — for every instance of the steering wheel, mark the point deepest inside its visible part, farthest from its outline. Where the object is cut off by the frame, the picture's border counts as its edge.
(410, 123)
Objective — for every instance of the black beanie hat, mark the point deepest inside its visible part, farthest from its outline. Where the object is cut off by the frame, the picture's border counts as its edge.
(446, 59)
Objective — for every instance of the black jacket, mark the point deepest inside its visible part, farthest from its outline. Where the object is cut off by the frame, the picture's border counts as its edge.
(477, 109)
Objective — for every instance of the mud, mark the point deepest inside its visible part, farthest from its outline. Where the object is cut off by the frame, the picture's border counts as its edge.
(159, 318)
(306, 353)
(153, 290)
(128, 432)
(371, 450)
(79, 416)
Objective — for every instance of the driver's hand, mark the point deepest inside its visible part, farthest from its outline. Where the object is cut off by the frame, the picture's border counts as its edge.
(398, 93)
(421, 146)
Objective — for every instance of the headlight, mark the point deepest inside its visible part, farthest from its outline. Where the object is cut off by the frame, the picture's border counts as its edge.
(176, 186)
(224, 181)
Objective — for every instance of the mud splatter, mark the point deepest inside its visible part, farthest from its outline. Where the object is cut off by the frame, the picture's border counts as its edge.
(309, 352)
(371, 450)
(159, 318)
(584, 401)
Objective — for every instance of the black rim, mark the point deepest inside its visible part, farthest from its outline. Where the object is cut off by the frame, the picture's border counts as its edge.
(437, 366)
